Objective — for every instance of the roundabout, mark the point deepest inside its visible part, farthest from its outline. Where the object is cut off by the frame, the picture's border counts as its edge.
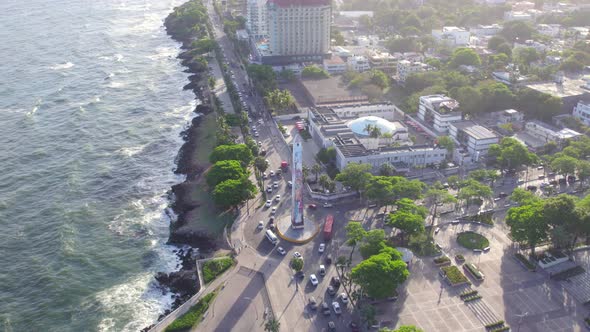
(472, 240)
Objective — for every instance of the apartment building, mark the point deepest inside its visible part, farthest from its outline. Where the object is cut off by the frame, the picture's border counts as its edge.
(476, 139)
(256, 21)
(438, 111)
(452, 36)
(299, 29)
(582, 112)
(546, 133)
(358, 63)
(406, 68)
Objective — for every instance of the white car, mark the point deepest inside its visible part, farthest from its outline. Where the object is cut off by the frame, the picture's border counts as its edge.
(313, 279)
(336, 307)
(269, 188)
(322, 248)
(281, 251)
(275, 184)
(274, 210)
(259, 143)
(328, 205)
(261, 224)
(344, 298)
(256, 134)
(278, 198)
(297, 254)
(272, 173)
(268, 203)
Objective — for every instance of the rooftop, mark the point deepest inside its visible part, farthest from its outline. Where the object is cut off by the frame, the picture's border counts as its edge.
(569, 88)
(474, 130)
(332, 91)
(359, 126)
(288, 3)
(440, 103)
(334, 60)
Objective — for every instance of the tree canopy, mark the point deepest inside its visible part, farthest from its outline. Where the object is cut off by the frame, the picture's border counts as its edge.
(379, 275)
(230, 193)
(314, 72)
(355, 176)
(465, 56)
(239, 152)
(224, 170)
(510, 154)
(527, 224)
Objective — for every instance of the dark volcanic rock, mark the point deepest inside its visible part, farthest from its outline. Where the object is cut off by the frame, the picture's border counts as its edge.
(192, 238)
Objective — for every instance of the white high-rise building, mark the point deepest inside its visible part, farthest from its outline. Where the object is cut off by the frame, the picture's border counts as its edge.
(299, 28)
(256, 20)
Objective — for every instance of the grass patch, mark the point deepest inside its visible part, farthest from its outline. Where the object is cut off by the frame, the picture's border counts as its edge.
(454, 275)
(213, 268)
(527, 263)
(207, 218)
(193, 316)
(472, 240)
(442, 260)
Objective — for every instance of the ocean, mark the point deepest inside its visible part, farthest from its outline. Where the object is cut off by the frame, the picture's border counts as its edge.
(91, 110)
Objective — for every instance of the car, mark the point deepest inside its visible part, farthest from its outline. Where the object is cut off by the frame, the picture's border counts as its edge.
(344, 298)
(544, 184)
(262, 153)
(275, 184)
(271, 219)
(313, 304)
(268, 203)
(437, 230)
(273, 211)
(256, 134)
(326, 309)
(281, 251)
(278, 198)
(540, 167)
(571, 179)
(541, 177)
(322, 247)
(531, 188)
(336, 307)
(520, 182)
(329, 259)
(502, 194)
(331, 326)
(438, 246)
(312, 206)
(297, 254)
(335, 281)
(327, 205)
(331, 290)
(290, 184)
(553, 182)
(272, 173)
(269, 188)
(497, 199)
(562, 181)
(551, 175)
(322, 270)
(259, 143)
(264, 175)
(313, 279)
(271, 226)
(278, 171)
(260, 224)
(254, 128)
(455, 222)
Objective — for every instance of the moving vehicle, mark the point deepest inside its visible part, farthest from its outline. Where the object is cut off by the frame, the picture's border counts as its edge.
(269, 188)
(313, 279)
(275, 184)
(297, 254)
(332, 326)
(273, 211)
(327, 205)
(271, 237)
(260, 224)
(322, 270)
(284, 165)
(272, 173)
(277, 198)
(268, 203)
(322, 247)
(344, 298)
(281, 251)
(331, 290)
(290, 184)
(335, 282)
(328, 227)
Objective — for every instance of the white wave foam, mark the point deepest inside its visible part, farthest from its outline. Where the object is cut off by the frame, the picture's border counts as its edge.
(117, 85)
(118, 57)
(131, 151)
(62, 66)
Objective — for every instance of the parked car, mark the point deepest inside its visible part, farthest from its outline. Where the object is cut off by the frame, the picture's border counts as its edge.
(322, 270)
(335, 281)
(312, 206)
(273, 211)
(290, 184)
(327, 205)
(297, 254)
(336, 307)
(313, 304)
(281, 251)
(329, 259)
(260, 224)
(278, 198)
(322, 247)
(331, 326)
(269, 188)
(344, 298)
(331, 290)
(531, 188)
(313, 279)
(502, 195)
(275, 184)
(268, 203)
(326, 309)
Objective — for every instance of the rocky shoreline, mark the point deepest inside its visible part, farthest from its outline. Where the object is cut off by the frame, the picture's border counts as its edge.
(184, 283)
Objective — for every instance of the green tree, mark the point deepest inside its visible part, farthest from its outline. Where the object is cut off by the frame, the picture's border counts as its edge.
(379, 78)
(523, 197)
(380, 190)
(474, 190)
(386, 170)
(495, 96)
(230, 193)
(379, 276)
(517, 30)
(368, 313)
(224, 170)
(279, 100)
(373, 242)
(510, 154)
(272, 325)
(239, 152)
(261, 164)
(465, 56)
(407, 222)
(583, 168)
(447, 143)
(469, 99)
(314, 72)
(496, 41)
(527, 224)
(564, 165)
(324, 181)
(316, 169)
(297, 264)
(526, 55)
(404, 188)
(561, 212)
(355, 176)
(435, 198)
(354, 235)
(263, 76)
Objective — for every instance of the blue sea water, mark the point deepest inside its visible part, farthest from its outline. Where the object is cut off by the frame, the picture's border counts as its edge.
(91, 107)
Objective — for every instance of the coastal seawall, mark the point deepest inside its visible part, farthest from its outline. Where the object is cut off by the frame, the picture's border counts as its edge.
(180, 25)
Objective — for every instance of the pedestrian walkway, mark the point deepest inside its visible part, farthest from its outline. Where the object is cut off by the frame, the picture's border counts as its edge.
(578, 287)
(482, 311)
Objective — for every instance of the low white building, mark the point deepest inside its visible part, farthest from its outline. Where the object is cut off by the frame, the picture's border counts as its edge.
(486, 30)
(438, 111)
(582, 112)
(518, 16)
(509, 116)
(341, 51)
(383, 61)
(476, 139)
(546, 133)
(358, 63)
(452, 36)
(406, 68)
(334, 65)
(354, 145)
(491, 2)
(386, 111)
(551, 30)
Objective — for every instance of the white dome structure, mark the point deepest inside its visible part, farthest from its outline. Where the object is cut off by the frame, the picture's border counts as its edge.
(358, 126)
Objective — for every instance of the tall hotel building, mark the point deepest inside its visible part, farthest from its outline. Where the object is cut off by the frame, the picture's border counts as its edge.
(298, 30)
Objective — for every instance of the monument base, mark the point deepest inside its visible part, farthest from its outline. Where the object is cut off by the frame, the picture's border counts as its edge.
(298, 235)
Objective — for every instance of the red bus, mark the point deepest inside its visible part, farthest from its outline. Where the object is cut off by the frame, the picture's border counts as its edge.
(328, 227)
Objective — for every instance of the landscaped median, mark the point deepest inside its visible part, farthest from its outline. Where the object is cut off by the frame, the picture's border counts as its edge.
(472, 240)
(194, 315)
(453, 275)
(215, 267)
(442, 261)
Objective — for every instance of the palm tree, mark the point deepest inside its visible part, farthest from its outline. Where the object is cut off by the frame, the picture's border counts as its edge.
(272, 325)
(368, 128)
(305, 171)
(324, 181)
(316, 169)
